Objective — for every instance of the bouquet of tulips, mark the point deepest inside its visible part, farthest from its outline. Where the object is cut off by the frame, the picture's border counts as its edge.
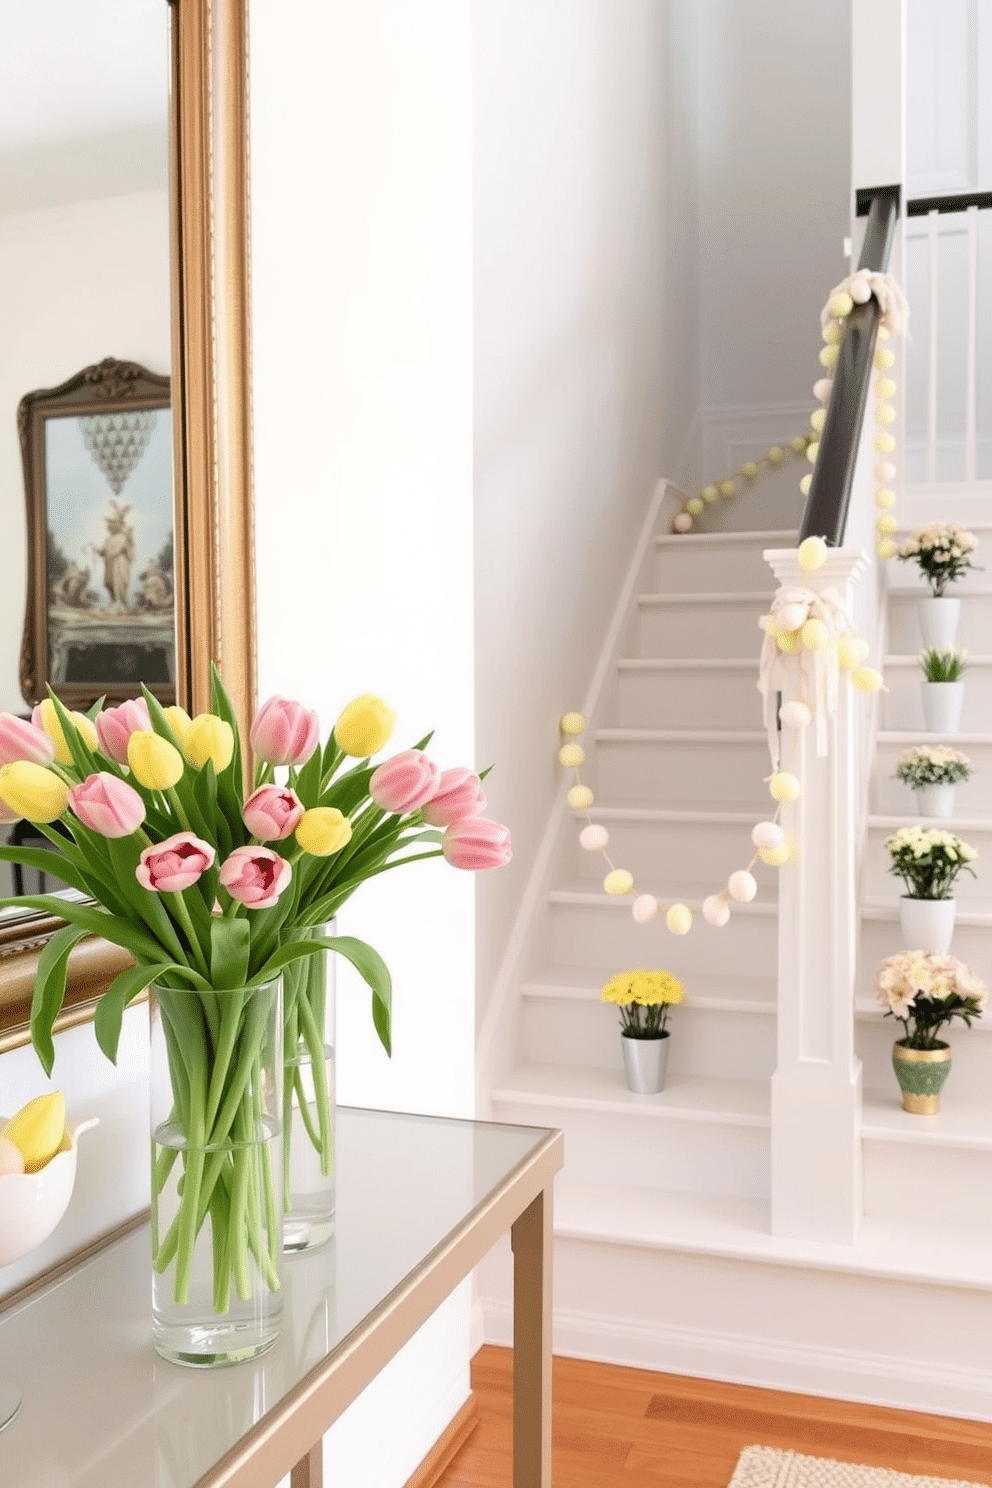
(151, 822)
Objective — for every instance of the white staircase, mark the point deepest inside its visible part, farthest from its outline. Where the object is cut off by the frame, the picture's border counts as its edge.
(903, 1315)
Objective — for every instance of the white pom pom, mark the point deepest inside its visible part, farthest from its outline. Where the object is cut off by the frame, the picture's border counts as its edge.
(645, 909)
(767, 834)
(885, 471)
(716, 910)
(683, 522)
(790, 616)
(805, 484)
(811, 554)
(822, 388)
(742, 886)
(859, 289)
(594, 837)
(796, 715)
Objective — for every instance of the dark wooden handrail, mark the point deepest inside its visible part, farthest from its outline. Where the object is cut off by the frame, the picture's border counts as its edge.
(829, 496)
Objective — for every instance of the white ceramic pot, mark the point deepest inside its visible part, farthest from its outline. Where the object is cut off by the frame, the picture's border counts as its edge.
(645, 1061)
(942, 706)
(31, 1204)
(938, 621)
(935, 800)
(927, 924)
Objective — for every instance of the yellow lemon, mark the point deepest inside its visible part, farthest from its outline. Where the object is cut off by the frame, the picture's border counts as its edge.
(37, 1130)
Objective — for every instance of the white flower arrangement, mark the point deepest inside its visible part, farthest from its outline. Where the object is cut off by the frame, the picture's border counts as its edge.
(932, 764)
(923, 992)
(942, 551)
(928, 860)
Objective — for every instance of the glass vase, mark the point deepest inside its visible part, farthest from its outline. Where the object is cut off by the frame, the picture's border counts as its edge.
(309, 1097)
(216, 1104)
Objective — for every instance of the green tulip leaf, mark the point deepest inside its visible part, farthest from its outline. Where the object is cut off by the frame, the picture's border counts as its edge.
(366, 961)
(49, 990)
(122, 991)
(230, 949)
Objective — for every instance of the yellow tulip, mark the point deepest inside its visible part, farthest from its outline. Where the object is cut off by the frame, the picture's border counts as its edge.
(155, 763)
(38, 1129)
(32, 791)
(179, 722)
(46, 717)
(364, 726)
(209, 737)
(323, 830)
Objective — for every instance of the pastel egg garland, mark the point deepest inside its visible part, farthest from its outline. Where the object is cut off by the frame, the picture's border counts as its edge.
(744, 476)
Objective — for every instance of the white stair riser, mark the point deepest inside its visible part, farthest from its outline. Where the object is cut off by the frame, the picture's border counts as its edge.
(975, 892)
(697, 856)
(700, 568)
(695, 1156)
(721, 1045)
(702, 628)
(583, 935)
(913, 1183)
(974, 627)
(684, 699)
(971, 1075)
(672, 775)
(902, 704)
(972, 944)
(971, 798)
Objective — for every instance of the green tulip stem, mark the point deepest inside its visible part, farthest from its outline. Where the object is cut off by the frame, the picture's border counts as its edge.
(172, 797)
(181, 910)
(314, 1037)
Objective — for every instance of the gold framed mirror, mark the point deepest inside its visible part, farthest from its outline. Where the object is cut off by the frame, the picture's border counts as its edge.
(211, 419)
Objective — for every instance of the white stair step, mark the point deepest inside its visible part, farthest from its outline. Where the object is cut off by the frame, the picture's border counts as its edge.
(972, 798)
(590, 927)
(927, 1165)
(881, 937)
(707, 846)
(902, 705)
(726, 992)
(675, 767)
(974, 627)
(717, 560)
(695, 693)
(686, 625)
(705, 1136)
(970, 891)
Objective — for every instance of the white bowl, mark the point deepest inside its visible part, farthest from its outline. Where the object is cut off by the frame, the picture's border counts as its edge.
(31, 1204)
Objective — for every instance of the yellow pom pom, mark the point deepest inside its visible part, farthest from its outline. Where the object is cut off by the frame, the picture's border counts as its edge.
(580, 798)
(886, 524)
(775, 856)
(798, 444)
(884, 498)
(887, 548)
(783, 787)
(815, 635)
(811, 554)
(709, 493)
(805, 483)
(679, 919)
(884, 413)
(812, 450)
(791, 642)
(829, 355)
(840, 304)
(884, 358)
(694, 505)
(851, 652)
(885, 387)
(749, 470)
(885, 443)
(774, 454)
(618, 883)
(867, 679)
(818, 418)
(572, 723)
(571, 756)
(728, 487)
(832, 332)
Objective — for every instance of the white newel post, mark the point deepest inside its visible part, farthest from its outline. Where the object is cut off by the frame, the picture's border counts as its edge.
(816, 1088)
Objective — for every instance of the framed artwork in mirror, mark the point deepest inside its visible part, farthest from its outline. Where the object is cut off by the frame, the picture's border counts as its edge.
(102, 588)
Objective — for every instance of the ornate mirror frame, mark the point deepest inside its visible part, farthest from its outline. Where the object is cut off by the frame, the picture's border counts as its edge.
(211, 400)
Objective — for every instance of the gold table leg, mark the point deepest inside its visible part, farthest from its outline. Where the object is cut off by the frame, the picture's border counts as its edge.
(531, 1238)
(309, 1471)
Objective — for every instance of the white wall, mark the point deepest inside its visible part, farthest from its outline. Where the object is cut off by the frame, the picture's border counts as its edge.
(586, 372)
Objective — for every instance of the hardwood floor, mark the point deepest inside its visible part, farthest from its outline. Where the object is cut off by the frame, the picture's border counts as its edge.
(629, 1428)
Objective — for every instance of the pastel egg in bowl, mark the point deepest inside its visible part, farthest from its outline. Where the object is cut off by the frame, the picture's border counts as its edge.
(31, 1204)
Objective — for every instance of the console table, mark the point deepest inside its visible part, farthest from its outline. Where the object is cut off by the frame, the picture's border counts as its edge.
(421, 1199)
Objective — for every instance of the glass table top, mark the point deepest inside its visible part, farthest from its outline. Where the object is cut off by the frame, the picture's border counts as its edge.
(99, 1406)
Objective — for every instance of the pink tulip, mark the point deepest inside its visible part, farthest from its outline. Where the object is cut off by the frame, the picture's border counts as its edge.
(107, 805)
(114, 727)
(459, 793)
(272, 813)
(475, 843)
(255, 876)
(284, 732)
(20, 740)
(175, 864)
(403, 783)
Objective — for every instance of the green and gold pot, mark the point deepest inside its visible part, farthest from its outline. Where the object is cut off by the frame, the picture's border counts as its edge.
(921, 1074)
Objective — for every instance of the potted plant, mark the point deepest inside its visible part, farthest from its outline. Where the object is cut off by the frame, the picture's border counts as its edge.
(942, 689)
(925, 992)
(932, 771)
(928, 860)
(942, 551)
(644, 998)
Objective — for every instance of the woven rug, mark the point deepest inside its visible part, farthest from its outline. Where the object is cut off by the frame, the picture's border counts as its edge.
(767, 1467)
